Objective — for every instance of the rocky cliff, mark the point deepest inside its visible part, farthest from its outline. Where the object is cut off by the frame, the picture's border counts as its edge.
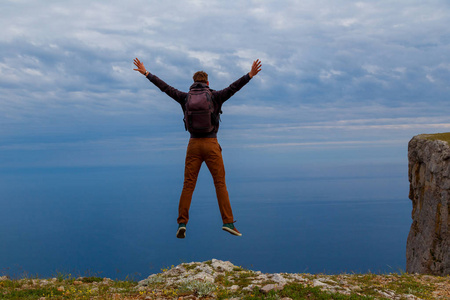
(216, 279)
(428, 244)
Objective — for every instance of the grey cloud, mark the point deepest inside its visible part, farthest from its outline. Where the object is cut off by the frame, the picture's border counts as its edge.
(68, 65)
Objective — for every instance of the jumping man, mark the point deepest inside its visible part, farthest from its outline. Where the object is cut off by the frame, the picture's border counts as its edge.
(203, 145)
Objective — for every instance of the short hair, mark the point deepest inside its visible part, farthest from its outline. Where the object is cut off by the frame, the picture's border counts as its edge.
(200, 76)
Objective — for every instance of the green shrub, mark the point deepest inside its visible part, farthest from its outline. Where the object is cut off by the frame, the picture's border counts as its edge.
(201, 288)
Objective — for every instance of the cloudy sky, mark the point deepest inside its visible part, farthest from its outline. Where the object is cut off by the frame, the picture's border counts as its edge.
(339, 77)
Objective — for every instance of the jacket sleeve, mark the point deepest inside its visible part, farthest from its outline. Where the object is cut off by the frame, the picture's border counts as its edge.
(172, 92)
(225, 94)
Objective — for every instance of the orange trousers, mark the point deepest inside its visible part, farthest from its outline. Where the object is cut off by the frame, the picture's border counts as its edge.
(209, 151)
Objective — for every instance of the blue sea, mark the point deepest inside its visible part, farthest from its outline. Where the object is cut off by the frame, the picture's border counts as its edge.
(121, 221)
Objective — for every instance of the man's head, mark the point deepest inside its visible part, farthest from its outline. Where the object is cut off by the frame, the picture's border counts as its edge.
(200, 76)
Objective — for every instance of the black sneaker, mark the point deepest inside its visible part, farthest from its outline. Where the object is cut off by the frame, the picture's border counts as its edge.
(181, 232)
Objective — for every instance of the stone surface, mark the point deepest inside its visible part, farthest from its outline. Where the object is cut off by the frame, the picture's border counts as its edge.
(234, 288)
(428, 244)
(317, 282)
(278, 278)
(269, 287)
(240, 281)
(203, 276)
(249, 287)
(222, 265)
(44, 282)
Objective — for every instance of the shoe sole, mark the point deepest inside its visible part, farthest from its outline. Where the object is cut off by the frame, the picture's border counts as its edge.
(181, 233)
(233, 232)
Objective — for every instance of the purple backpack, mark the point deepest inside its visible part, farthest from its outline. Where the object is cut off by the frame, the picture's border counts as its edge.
(199, 116)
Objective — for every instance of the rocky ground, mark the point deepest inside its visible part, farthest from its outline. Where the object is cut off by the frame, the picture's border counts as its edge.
(217, 279)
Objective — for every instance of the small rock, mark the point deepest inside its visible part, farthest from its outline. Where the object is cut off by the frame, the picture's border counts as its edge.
(267, 288)
(356, 288)
(222, 266)
(278, 278)
(262, 277)
(331, 289)
(44, 282)
(61, 289)
(3, 278)
(387, 294)
(249, 288)
(107, 281)
(327, 280)
(297, 277)
(178, 270)
(77, 282)
(286, 298)
(346, 291)
(317, 282)
(234, 288)
(205, 269)
(428, 277)
(411, 297)
(202, 276)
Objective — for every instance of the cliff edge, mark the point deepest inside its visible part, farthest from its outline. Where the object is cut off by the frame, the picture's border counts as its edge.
(216, 279)
(428, 244)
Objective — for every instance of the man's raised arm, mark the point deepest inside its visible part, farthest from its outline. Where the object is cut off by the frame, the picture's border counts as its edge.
(172, 92)
(225, 94)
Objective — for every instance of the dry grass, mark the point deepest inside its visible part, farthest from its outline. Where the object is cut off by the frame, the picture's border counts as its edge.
(445, 136)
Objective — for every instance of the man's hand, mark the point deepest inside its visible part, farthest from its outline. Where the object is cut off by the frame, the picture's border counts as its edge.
(140, 66)
(256, 67)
